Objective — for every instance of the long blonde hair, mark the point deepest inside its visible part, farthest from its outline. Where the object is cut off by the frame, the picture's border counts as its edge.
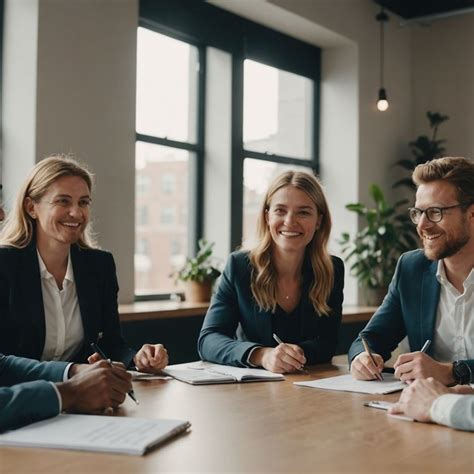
(264, 277)
(19, 228)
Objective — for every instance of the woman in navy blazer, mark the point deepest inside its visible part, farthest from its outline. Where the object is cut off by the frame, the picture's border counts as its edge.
(58, 293)
(288, 288)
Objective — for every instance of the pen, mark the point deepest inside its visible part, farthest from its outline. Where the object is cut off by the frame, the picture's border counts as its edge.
(367, 349)
(279, 341)
(97, 349)
(426, 345)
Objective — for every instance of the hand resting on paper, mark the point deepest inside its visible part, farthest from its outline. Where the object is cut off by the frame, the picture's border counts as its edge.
(363, 368)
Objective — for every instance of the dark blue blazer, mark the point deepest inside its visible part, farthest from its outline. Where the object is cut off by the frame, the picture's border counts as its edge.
(32, 399)
(22, 320)
(409, 309)
(233, 308)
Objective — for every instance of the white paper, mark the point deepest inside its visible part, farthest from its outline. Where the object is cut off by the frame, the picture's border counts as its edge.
(347, 383)
(95, 433)
(138, 376)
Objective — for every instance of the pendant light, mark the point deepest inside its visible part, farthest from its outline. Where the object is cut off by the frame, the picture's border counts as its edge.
(382, 102)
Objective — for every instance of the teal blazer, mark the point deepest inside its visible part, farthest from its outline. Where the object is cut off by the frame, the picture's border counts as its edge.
(24, 398)
(409, 309)
(234, 323)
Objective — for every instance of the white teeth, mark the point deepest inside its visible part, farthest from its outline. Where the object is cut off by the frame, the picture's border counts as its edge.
(431, 237)
(289, 234)
(71, 224)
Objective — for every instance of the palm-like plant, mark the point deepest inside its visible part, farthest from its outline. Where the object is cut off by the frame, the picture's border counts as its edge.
(375, 249)
(423, 149)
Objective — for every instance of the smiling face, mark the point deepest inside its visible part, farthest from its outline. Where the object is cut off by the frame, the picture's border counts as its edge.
(62, 213)
(292, 218)
(449, 236)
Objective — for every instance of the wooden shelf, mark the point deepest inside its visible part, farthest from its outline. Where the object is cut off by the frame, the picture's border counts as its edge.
(151, 310)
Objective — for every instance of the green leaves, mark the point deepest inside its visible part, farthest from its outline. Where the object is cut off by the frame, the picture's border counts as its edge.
(423, 149)
(199, 268)
(374, 250)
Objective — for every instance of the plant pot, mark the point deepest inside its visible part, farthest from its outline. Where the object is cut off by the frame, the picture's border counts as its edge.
(197, 292)
(374, 296)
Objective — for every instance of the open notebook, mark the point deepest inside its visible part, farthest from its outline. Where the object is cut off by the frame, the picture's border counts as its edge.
(114, 434)
(204, 373)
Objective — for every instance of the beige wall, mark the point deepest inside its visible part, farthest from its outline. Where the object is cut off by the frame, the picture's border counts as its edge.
(443, 80)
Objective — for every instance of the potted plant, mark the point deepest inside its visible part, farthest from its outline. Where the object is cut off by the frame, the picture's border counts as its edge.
(199, 274)
(423, 149)
(374, 250)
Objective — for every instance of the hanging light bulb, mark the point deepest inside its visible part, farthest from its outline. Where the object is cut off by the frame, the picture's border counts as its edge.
(382, 102)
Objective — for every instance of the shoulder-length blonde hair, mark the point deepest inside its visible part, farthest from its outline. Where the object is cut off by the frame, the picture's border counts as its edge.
(264, 278)
(19, 228)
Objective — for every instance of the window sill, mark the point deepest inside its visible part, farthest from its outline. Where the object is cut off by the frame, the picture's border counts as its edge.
(151, 310)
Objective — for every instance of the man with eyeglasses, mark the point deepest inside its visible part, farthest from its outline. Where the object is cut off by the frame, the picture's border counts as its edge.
(431, 296)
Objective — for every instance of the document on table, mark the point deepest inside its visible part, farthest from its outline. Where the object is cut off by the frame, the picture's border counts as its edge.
(204, 373)
(114, 434)
(346, 383)
(141, 376)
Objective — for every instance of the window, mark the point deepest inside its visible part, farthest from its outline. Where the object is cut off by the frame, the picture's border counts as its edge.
(277, 133)
(167, 149)
(267, 96)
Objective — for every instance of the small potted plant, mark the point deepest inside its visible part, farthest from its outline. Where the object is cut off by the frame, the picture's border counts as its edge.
(375, 249)
(199, 274)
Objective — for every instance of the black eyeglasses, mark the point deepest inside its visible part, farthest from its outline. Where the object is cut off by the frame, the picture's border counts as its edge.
(433, 214)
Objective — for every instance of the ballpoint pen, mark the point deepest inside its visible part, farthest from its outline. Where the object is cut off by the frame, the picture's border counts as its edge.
(426, 345)
(367, 349)
(279, 341)
(97, 349)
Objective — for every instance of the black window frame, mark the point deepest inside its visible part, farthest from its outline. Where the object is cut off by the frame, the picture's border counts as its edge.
(203, 25)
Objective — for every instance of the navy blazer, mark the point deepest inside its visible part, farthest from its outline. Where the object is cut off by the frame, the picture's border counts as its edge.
(22, 319)
(233, 307)
(408, 309)
(32, 399)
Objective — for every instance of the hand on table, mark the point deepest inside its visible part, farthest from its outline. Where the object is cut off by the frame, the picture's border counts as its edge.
(285, 358)
(93, 388)
(418, 365)
(363, 368)
(416, 400)
(151, 358)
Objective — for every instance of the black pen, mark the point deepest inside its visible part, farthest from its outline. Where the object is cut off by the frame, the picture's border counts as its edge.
(99, 351)
(367, 349)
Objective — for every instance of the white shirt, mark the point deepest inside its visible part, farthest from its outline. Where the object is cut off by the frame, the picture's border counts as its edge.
(454, 330)
(64, 331)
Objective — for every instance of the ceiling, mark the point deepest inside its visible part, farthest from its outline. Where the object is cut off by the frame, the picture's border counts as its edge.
(424, 9)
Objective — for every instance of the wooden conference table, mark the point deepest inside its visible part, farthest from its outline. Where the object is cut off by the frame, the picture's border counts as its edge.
(268, 427)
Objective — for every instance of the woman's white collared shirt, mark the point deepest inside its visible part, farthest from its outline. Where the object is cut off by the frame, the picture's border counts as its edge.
(63, 323)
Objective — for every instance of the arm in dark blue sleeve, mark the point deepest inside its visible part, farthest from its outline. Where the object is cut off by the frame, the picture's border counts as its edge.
(323, 347)
(217, 342)
(23, 398)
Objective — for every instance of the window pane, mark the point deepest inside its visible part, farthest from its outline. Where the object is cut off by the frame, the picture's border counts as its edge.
(167, 73)
(278, 111)
(258, 175)
(161, 227)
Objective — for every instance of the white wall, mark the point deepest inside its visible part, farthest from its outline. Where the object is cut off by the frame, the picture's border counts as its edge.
(82, 94)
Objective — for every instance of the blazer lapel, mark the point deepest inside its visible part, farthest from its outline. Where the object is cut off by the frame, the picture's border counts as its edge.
(430, 289)
(86, 287)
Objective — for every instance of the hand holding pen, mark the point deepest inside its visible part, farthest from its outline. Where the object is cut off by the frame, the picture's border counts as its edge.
(292, 353)
(97, 349)
(419, 365)
(367, 365)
